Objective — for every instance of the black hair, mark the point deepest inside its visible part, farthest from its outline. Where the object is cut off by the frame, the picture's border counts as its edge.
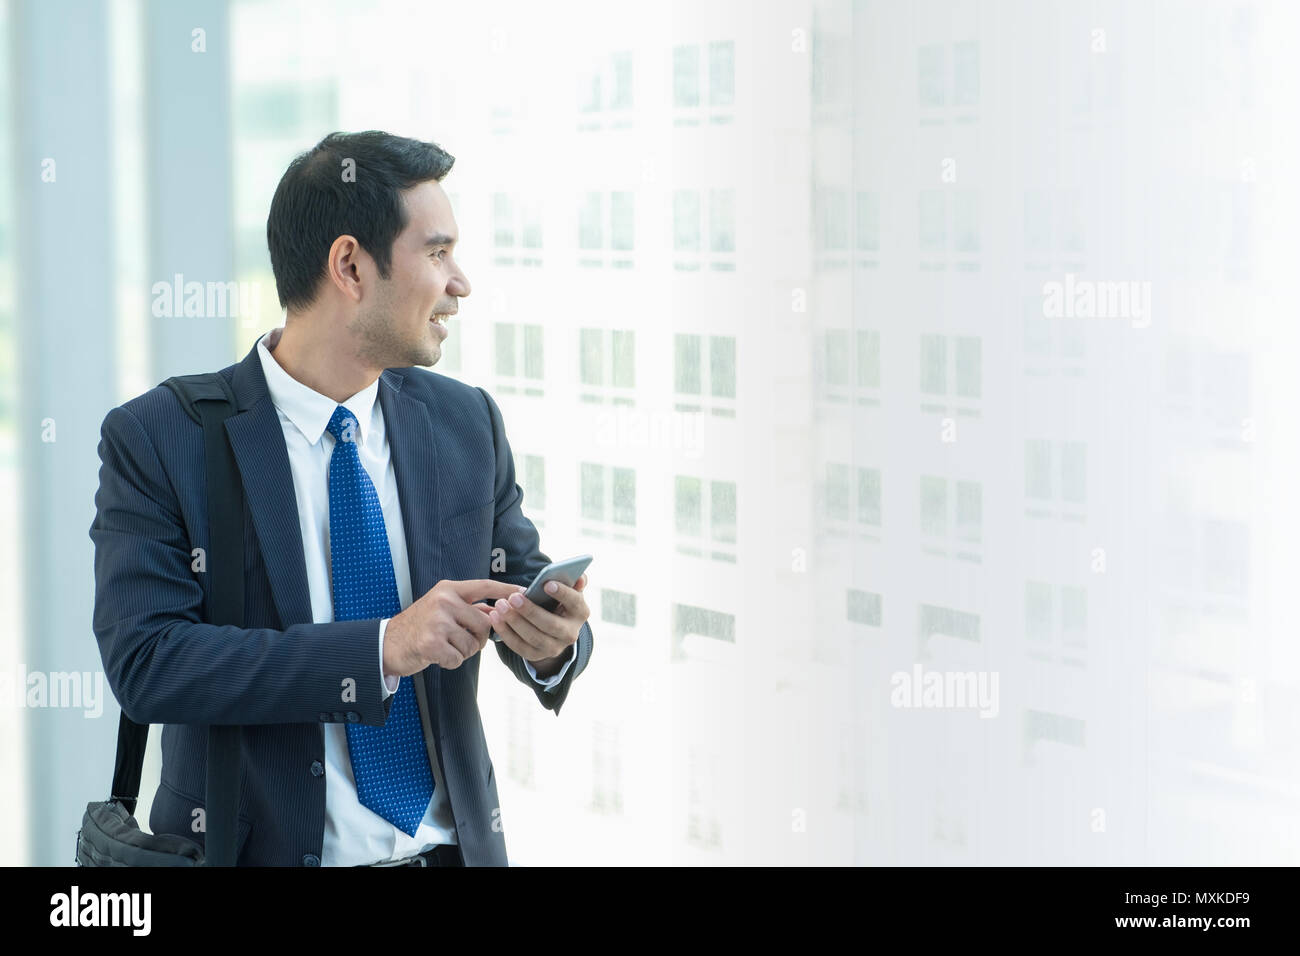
(322, 196)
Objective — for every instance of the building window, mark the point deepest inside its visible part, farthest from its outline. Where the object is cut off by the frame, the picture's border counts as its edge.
(948, 229)
(605, 93)
(699, 385)
(519, 358)
(618, 607)
(693, 103)
(607, 501)
(606, 230)
(1047, 487)
(534, 485)
(951, 515)
(706, 517)
(606, 768)
(864, 607)
(516, 231)
(703, 827)
(697, 631)
(1048, 631)
(689, 230)
(869, 496)
(951, 368)
(933, 91)
(947, 622)
(607, 365)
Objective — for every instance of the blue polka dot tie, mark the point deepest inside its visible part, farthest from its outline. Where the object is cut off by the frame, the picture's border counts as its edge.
(390, 763)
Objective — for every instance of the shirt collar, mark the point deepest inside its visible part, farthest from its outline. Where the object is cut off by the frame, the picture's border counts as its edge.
(308, 409)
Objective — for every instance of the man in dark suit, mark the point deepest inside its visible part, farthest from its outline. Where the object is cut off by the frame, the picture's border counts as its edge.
(381, 508)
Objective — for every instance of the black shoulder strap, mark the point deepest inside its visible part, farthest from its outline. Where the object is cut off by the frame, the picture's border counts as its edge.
(207, 398)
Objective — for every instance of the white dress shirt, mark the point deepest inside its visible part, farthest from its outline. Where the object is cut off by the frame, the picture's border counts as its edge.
(354, 834)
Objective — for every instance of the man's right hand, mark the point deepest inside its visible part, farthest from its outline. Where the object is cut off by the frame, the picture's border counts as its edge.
(444, 627)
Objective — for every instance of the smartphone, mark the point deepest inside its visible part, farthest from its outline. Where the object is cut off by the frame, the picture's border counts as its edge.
(566, 572)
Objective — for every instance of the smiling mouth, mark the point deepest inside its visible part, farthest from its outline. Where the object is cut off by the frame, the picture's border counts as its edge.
(441, 317)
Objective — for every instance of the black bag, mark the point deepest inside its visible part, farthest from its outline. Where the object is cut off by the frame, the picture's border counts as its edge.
(109, 834)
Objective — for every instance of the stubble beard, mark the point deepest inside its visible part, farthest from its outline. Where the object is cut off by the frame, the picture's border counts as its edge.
(381, 345)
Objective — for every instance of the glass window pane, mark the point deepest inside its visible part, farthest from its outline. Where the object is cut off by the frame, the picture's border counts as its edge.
(505, 348)
(722, 220)
(591, 232)
(532, 226)
(591, 356)
(868, 224)
(722, 366)
(837, 357)
(934, 505)
(930, 75)
(934, 365)
(622, 226)
(1074, 472)
(686, 76)
(503, 224)
(869, 496)
(837, 491)
(1074, 616)
(864, 607)
(535, 481)
(722, 73)
(1038, 611)
(832, 216)
(1038, 469)
(932, 234)
(686, 220)
(625, 496)
(689, 507)
(966, 73)
(687, 369)
(722, 514)
(618, 607)
(624, 359)
(592, 491)
(969, 510)
(869, 359)
(968, 366)
(965, 221)
(533, 351)
(620, 97)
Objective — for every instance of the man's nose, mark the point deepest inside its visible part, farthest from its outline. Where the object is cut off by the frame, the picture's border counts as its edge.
(458, 285)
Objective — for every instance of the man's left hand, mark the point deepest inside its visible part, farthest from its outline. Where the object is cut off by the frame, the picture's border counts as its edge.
(537, 635)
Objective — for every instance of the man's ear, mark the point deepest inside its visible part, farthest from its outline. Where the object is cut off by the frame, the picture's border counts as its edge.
(347, 265)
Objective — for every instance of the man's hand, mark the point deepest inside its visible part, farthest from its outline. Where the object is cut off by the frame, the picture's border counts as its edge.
(443, 627)
(537, 635)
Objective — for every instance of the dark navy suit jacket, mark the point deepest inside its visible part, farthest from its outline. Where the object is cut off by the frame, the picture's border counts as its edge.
(280, 676)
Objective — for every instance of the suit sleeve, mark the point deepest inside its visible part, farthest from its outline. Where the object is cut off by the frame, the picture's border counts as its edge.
(162, 661)
(518, 540)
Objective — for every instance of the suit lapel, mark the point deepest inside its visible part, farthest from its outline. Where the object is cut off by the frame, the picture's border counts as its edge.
(257, 440)
(414, 450)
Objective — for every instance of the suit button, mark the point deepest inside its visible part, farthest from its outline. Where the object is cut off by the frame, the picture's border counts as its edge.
(311, 859)
(317, 768)
(353, 716)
